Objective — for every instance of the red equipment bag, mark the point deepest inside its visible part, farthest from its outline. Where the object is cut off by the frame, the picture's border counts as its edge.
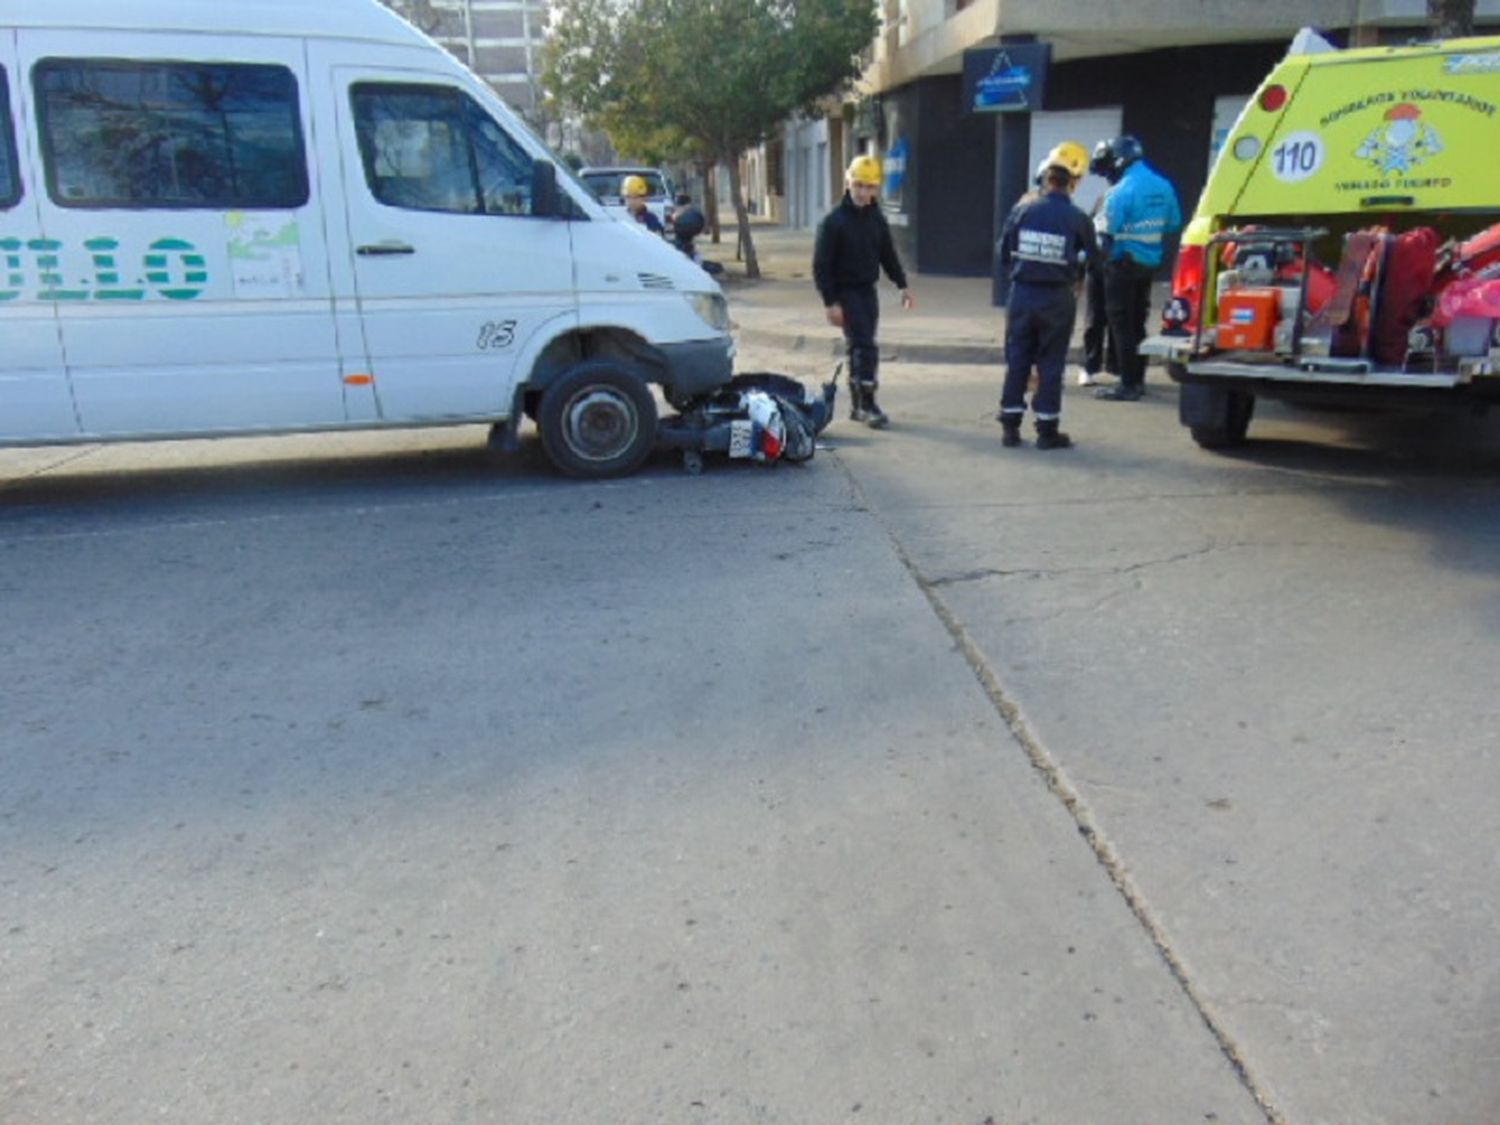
(1345, 318)
(1410, 264)
(1479, 253)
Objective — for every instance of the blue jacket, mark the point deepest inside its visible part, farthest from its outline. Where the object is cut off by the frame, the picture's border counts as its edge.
(1139, 212)
(649, 220)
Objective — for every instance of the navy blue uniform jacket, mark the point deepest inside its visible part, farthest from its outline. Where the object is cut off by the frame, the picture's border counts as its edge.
(1047, 241)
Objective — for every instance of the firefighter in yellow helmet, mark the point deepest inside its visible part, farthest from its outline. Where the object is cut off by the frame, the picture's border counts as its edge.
(1044, 248)
(634, 189)
(853, 246)
(1072, 156)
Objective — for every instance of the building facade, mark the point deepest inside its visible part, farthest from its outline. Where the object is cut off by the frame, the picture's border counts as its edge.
(1174, 73)
(500, 40)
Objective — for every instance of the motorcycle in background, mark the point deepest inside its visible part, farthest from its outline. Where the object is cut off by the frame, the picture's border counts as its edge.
(687, 224)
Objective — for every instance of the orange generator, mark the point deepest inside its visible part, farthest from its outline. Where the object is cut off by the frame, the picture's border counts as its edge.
(1247, 319)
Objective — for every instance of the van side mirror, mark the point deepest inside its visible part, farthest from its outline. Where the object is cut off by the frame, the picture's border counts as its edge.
(546, 200)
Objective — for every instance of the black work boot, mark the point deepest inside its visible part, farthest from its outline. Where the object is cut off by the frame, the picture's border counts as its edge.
(1048, 436)
(872, 415)
(856, 403)
(1010, 430)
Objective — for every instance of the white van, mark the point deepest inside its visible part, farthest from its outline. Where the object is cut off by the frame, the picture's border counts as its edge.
(257, 216)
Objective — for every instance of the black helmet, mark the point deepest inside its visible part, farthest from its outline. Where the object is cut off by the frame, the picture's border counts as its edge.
(1111, 158)
(1102, 163)
(1127, 150)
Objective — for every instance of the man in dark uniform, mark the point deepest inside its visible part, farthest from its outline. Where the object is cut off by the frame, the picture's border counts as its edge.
(1044, 249)
(853, 246)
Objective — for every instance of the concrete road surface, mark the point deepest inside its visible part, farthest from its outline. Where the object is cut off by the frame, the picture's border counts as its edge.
(365, 779)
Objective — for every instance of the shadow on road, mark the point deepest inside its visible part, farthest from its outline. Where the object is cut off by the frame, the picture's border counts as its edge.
(1431, 443)
(164, 479)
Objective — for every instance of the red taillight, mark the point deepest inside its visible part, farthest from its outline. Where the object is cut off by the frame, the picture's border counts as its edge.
(1180, 317)
(1272, 98)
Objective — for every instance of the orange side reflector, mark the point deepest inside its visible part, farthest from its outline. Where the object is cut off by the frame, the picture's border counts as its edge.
(359, 380)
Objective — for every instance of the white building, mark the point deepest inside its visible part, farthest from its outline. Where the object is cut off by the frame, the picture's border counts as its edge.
(500, 40)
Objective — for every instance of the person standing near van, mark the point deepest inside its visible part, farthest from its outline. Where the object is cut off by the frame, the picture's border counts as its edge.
(1139, 213)
(687, 223)
(1045, 246)
(1098, 341)
(634, 190)
(852, 247)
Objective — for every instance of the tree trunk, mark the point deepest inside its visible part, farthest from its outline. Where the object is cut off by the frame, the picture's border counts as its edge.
(711, 199)
(742, 213)
(1450, 19)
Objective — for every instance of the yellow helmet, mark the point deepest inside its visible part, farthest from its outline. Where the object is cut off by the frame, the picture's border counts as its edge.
(864, 170)
(1070, 156)
(634, 187)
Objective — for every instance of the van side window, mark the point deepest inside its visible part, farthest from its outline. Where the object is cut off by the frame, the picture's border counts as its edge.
(432, 148)
(146, 135)
(10, 181)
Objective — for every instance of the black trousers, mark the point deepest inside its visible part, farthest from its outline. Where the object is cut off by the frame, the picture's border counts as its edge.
(861, 316)
(1098, 341)
(1127, 299)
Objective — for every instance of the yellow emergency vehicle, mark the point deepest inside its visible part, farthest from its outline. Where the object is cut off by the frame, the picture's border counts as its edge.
(1346, 247)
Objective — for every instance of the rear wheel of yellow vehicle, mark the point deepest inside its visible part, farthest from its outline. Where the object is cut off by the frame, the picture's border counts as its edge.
(1230, 430)
(1217, 417)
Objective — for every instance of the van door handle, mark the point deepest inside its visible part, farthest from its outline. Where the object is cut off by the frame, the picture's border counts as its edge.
(381, 248)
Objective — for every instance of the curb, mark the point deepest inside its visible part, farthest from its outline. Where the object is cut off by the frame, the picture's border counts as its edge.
(890, 351)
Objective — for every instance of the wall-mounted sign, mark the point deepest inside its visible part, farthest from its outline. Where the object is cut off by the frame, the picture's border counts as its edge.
(1007, 79)
(895, 171)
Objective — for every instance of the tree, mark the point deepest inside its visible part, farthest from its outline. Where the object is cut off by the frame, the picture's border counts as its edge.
(706, 78)
(1450, 19)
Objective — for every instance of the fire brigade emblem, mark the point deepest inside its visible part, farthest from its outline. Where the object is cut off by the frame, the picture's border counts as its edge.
(1402, 142)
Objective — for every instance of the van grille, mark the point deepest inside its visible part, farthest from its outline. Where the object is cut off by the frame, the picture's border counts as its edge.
(655, 281)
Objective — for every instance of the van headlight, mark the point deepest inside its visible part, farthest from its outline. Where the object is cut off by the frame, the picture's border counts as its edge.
(711, 308)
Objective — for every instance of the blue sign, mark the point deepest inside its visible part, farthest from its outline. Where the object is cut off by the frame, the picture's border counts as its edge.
(895, 169)
(1006, 79)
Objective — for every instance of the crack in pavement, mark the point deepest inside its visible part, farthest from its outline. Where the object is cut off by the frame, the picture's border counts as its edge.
(1062, 787)
(1052, 572)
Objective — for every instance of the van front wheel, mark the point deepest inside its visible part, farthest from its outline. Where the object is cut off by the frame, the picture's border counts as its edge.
(598, 420)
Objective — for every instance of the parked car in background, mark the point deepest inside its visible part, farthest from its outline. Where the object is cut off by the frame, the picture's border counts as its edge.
(605, 183)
